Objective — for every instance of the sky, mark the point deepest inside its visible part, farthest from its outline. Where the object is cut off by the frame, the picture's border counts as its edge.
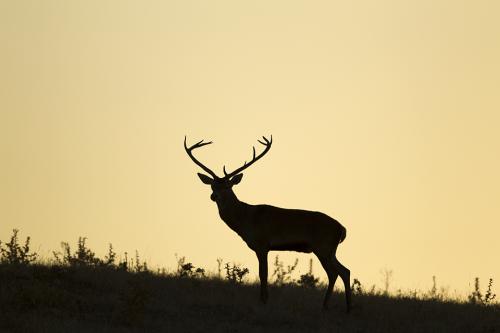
(384, 115)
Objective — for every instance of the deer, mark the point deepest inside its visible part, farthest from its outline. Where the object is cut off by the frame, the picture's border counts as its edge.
(267, 228)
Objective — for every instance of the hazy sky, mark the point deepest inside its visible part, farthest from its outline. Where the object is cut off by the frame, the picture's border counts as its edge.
(385, 115)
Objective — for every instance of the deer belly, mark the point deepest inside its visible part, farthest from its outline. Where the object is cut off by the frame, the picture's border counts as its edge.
(291, 246)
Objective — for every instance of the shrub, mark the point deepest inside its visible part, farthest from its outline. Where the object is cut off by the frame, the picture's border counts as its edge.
(83, 256)
(308, 280)
(219, 267)
(110, 258)
(282, 275)
(476, 297)
(434, 293)
(188, 269)
(138, 266)
(235, 273)
(123, 264)
(356, 287)
(14, 253)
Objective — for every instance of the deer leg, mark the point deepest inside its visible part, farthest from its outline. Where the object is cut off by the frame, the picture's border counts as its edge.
(332, 274)
(262, 256)
(345, 276)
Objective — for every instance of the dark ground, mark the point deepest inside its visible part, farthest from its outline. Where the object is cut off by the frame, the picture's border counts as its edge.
(40, 298)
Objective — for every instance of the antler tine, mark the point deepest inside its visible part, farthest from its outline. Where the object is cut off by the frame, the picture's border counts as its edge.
(197, 144)
(190, 154)
(245, 163)
(267, 143)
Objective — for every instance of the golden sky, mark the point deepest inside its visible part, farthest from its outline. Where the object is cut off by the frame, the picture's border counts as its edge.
(385, 115)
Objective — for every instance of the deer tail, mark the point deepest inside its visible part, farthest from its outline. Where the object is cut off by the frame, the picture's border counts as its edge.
(343, 234)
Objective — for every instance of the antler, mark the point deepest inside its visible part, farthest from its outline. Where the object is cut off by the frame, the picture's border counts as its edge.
(266, 143)
(189, 152)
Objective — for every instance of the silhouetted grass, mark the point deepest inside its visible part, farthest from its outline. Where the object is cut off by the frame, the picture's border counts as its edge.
(97, 295)
(42, 298)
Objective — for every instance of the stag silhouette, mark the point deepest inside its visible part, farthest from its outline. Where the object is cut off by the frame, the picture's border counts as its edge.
(267, 228)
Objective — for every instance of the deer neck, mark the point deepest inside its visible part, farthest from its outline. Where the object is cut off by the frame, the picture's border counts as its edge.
(231, 210)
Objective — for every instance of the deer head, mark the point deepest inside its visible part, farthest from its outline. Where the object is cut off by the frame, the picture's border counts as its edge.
(222, 186)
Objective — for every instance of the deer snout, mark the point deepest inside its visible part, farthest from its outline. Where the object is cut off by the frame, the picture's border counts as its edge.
(213, 197)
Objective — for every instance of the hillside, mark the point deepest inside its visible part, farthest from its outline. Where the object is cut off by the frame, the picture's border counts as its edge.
(61, 298)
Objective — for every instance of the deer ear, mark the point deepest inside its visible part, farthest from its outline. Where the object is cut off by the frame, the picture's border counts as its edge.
(205, 179)
(236, 179)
